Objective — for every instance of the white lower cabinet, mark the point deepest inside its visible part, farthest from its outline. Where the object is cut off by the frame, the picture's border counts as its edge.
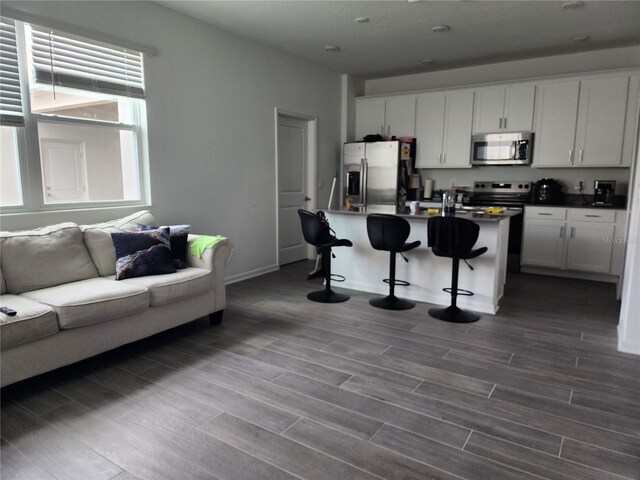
(587, 246)
(543, 243)
(573, 239)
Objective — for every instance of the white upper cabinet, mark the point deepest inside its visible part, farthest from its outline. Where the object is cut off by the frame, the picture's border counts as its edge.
(555, 123)
(429, 130)
(369, 117)
(504, 109)
(443, 129)
(585, 123)
(601, 119)
(391, 116)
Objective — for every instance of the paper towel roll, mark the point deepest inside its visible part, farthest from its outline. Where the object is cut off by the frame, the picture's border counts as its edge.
(428, 188)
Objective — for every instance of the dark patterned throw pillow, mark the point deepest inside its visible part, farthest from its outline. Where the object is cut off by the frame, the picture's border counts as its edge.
(179, 238)
(143, 253)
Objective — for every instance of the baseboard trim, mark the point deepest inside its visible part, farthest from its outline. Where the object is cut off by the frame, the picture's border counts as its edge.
(626, 345)
(250, 274)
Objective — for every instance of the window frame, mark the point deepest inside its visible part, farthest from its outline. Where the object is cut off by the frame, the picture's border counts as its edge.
(28, 148)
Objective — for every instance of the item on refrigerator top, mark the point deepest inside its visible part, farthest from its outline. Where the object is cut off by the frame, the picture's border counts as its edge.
(547, 191)
(604, 190)
(377, 173)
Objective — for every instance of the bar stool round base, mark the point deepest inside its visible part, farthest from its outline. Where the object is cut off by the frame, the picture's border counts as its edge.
(391, 302)
(454, 315)
(327, 296)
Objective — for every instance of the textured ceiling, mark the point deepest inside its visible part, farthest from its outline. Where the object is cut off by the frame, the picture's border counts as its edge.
(398, 36)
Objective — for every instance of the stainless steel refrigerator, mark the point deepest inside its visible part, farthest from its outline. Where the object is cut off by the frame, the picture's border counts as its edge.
(376, 173)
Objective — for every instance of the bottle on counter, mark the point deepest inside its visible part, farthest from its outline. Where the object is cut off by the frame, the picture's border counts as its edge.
(449, 202)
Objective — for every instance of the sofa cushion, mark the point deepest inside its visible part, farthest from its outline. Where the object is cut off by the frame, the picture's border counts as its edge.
(92, 301)
(3, 284)
(97, 238)
(179, 239)
(184, 283)
(45, 257)
(143, 253)
(32, 321)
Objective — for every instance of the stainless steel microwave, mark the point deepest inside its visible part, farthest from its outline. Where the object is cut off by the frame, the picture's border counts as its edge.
(502, 148)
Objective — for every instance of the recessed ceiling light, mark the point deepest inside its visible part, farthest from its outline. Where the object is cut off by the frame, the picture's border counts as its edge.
(427, 61)
(572, 5)
(362, 20)
(580, 39)
(332, 48)
(440, 28)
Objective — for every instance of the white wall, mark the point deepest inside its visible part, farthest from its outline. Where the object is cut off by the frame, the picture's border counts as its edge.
(211, 97)
(629, 326)
(624, 57)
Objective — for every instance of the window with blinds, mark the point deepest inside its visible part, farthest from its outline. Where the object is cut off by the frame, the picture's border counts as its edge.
(10, 98)
(75, 62)
(83, 103)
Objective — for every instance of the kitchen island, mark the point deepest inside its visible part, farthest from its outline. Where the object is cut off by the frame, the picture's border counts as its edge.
(364, 268)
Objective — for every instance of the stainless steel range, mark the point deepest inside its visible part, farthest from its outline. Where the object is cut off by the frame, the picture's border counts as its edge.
(510, 194)
(499, 194)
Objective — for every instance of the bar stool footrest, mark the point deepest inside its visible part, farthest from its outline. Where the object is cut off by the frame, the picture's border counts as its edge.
(461, 292)
(397, 283)
(337, 278)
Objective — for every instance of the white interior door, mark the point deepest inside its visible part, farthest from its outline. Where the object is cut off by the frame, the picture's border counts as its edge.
(292, 187)
(63, 169)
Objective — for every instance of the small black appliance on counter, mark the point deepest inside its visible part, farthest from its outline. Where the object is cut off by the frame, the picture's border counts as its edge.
(604, 192)
(548, 192)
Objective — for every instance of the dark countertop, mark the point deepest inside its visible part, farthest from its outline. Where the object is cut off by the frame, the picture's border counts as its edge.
(477, 215)
(574, 205)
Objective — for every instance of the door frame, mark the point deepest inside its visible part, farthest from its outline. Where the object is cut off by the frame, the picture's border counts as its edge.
(312, 136)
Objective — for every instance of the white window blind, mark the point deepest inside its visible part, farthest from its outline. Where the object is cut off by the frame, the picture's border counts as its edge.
(76, 62)
(10, 100)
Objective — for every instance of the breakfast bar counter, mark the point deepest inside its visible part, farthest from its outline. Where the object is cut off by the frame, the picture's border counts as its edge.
(364, 268)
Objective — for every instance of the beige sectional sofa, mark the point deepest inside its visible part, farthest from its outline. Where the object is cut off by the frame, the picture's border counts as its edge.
(61, 282)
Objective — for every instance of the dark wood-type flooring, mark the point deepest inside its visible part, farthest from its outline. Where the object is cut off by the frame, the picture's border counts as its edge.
(290, 389)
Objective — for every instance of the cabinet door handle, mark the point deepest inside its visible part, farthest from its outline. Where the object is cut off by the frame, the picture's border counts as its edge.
(580, 158)
(388, 130)
(440, 157)
(573, 230)
(500, 124)
(504, 122)
(593, 216)
(444, 157)
(382, 130)
(561, 232)
(570, 154)
(543, 213)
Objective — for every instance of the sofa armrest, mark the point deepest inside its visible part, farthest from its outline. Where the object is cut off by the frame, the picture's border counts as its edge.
(213, 259)
(218, 256)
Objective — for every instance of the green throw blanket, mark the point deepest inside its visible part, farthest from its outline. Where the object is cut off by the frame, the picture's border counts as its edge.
(200, 244)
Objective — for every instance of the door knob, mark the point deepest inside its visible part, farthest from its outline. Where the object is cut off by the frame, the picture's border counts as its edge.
(306, 199)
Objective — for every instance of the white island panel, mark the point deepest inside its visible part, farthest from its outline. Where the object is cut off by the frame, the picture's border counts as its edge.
(364, 268)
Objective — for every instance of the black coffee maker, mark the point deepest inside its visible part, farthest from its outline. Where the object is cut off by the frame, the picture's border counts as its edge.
(604, 191)
(547, 192)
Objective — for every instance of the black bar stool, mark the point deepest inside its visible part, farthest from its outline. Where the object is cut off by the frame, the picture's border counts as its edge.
(454, 238)
(389, 233)
(317, 232)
